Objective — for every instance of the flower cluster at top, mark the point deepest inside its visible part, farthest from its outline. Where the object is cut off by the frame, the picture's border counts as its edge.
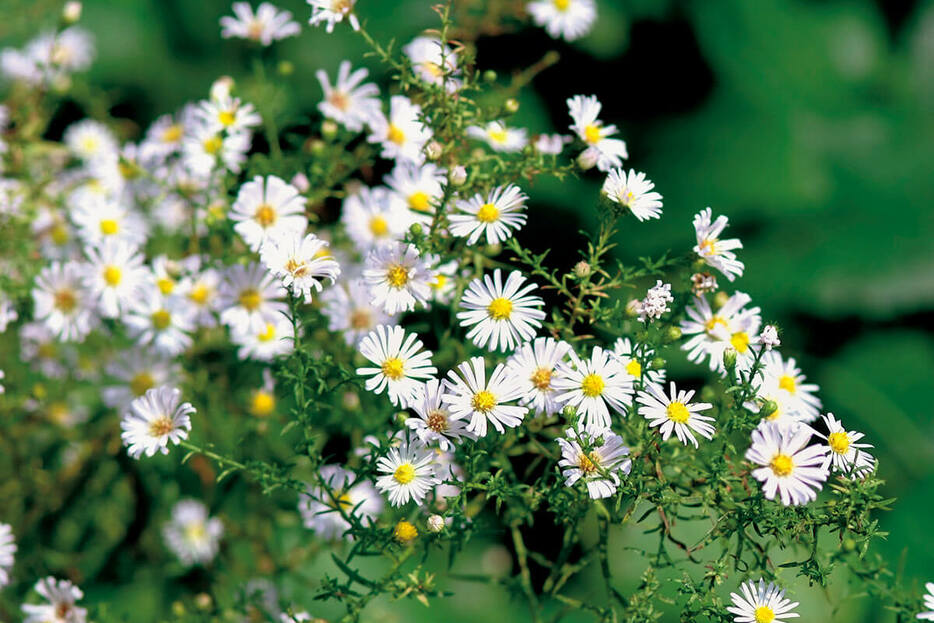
(267, 269)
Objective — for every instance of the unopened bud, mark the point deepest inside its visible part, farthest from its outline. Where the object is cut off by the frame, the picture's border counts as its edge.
(720, 298)
(317, 147)
(582, 269)
(769, 408)
(416, 229)
(221, 88)
(433, 150)
(729, 359)
(658, 363)
(587, 159)
(350, 401)
(633, 307)
(512, 105)
(203, 601)
(285, 68)
(300, 181)
(435, 523)
(489, 75)
(71, 13)
(673, 334)
(328, 129)
(458, 175)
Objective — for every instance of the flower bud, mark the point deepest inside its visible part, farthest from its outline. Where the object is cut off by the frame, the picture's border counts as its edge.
(285, 68)
(769, 408)
(300, 181)
(512, 106)
(633, 307)
(720, 298)
(71, 13)
(458, 175)
(435, 523)
(404, 532)
(489, 75)
(587, 159)
(328, 129)
(416, 229)
(582, 269)
(203, 601)
(433, 150)
(221, 88)
(658, 363)
(673, 334)
(729, 359)
(317, 147)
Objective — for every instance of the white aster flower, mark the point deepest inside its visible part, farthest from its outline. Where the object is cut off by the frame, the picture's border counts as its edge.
(398, 278)
(607, 152)
(471, 396)
(444, 284)
(201, 291)
(494, 216)
(205, 150)
(402, 135)
(191, 534)
(302, 262)
(227, 114)
(843, 450)
(592, 386)
(348, 309)
(434, 423)
(268, 24)
(7, 550)
(61, 596)
(154, 420)
(115, 276)
(761, 604)
(250, 298)
(675, 412)
(164, 322)
(273, 339)
(409, 472)
(716, 252)
(789, 466)
(105, 219)
(332, 12)
(928, 603)
(570, 19)
(499, 137)
(552, 144)
(782, 382)
(373, 220)
(400, 362)
(267, 208)
(416, 188)
(164, 138)
(626, 354)
(90, 140)
(350, 101)
(320, 507)
(62, 301)
(633, 191)
(533, 367)
(710, 332)
(433, 62)
(137, 370)
(597, 458)
(502, 316)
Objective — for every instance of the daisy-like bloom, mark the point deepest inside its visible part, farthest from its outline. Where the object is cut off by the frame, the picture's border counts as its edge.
(552, 144)
(499, 137)
(90, 140)
(250, 297)
(7, 549)
(320, 507)
(444, 284)
(675, 412)
(433, 62)
(570, 19)
(761, 604)
(502, 316)
(62, 301)
(137, 371)
(843, 450)
(494, 216)
(711, 332)
(348, 310)
(592, 386)
(302, 262)
(928, 603)
(408, 472)
(267, 208)
(400, 362)
(789, 466)
(416, 188)
(201, 292)
(607, 152)
(227, 114)
(434, 423)
(397, 277)
(625, 353)
(332, 12)
(191, 534)
(716, 252)
(101, 220)
(164, 322)
(154, 420)
(373, 220)
(205, 149)
(597, 458)
(115, 277)
(471, 396)
(61, 596)
(273, 339)
(532, 367)
(349, 101)
(164, 137)
(633, 191)
(402, 134)
(782, 382)
(268, 24)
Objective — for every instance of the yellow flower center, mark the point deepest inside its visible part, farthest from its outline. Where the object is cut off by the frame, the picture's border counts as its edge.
(437, 421)
(89, 144)
(588, 464)
(250, 299)
(678, 412)
(709, 246)
(634, 368)
(59, 412)
(161, 319)
(419, 201)
(562, 5)
(268, 334)
(433, 69)
(405, 532)
(487, 213)
(296, 267)
(781, 465)
(265, 215)
(397, 276)
(787, 383)
(172, 134)
(395, 135)
(483, 401)
(439, 282)
(59, 234)
(592, 385)
(712, 323)
(393, 368)
(740, 341)
(498, 136)
(141, 383)
(339, 100)
(541, 379)
(839, 442)
(360, 319)
(774, 415)
(160, 426)
(65, 300)
(199, 294)
(592, 134)
(128, 170)
(378, 226)
(263, 403)
(165, 285)
(499, 308)
(213, 144)
(404, 474)
(109, 226)
(226, 118)
(255, 29)
(112, 275)
(764, 614)
(195, 531)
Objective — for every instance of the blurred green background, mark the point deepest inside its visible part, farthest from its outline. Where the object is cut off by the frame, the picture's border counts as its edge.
(809, 123)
